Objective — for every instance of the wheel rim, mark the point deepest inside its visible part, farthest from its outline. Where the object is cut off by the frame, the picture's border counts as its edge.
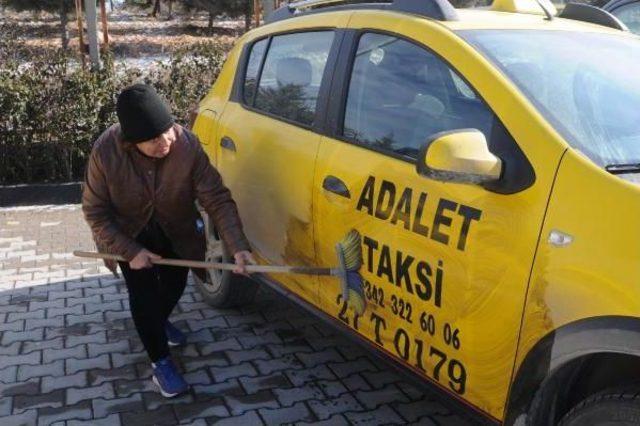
(214, 253)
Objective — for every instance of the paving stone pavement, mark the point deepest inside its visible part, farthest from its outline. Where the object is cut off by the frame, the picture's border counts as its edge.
(69, 354)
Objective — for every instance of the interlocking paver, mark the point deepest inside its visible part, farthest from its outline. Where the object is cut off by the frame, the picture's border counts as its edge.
(210, 408)
(374, 398)
(236, 357)
(277, 416)
(262, 399)
(131, 386)
(305, 375)
(221, 374)
(55, 322)
(51, 383)
(81, 411)
(269, 362)
(5, 406)
(161, 416)
(75, 365)
(55, 369)
(344, 369)
(96, 349)
(250, 418)
(99, 337)
(214, 359)
(52, 354)
(15, 326)
(29, 417)
(342, 404)
(255, 384)
(111, 420)
(224, 345)
(332, 388)
(383, 415)
(104, 407)
(97, 317)
(284, 363)
(52, 399)
(105, 391)
(15, 316)
(9, 374)
(215, 390)
(32, 358)
(290, 396)
(76, 310)
(335, 420)
(153, 400)
(12, 349)
(31, 387)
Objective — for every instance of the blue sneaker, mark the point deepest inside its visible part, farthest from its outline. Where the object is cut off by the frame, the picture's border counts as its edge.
(168, 379)
(174, 336)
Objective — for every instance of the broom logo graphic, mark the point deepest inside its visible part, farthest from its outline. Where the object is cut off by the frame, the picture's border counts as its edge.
(349, 252)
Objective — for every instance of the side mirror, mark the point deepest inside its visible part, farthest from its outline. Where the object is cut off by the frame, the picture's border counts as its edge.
(459, 156)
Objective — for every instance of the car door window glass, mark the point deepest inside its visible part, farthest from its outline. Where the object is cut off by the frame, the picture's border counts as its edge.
(253, 67)
(400, 94)
(290, 81)
(629, 14)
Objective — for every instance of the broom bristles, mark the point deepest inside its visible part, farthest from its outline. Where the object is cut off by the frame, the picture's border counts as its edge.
(352, 250)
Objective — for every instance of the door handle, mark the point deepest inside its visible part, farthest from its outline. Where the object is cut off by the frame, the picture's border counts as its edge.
(228, 143)
(335, 185)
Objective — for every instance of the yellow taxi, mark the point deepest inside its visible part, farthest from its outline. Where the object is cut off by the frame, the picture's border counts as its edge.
(489, 160)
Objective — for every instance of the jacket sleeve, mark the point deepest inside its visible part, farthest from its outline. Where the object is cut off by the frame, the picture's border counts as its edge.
(97, 211)
(216, 200)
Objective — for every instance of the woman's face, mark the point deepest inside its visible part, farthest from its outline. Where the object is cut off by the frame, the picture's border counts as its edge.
(160, 146)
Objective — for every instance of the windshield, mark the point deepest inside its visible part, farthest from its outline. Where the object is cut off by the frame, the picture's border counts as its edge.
(586, 84)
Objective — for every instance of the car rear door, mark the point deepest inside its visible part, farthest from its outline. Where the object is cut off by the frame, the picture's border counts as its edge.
(267, 146)
(445, 264)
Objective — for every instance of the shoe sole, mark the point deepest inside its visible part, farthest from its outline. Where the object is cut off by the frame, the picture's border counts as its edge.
(162, 392)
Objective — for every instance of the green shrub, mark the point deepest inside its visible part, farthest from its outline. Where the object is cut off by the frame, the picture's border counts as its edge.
(52, 110)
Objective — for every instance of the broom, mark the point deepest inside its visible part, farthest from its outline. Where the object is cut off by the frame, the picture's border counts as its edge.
(349, 252)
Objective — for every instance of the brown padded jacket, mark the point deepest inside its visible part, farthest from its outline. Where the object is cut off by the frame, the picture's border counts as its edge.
(124, 189)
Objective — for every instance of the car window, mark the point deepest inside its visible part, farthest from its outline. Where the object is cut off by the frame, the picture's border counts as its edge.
(400, 94)
(592, 102)
(629, 14)
(253, 67)
(290, 81)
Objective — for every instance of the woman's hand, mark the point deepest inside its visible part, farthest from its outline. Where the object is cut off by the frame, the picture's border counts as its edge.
(243, 258)
(143, 259)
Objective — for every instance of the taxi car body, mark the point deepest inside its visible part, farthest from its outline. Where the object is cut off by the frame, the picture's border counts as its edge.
(488, 160)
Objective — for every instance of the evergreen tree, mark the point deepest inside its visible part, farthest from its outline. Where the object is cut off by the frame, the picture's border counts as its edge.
(231, 8)
(61, 7)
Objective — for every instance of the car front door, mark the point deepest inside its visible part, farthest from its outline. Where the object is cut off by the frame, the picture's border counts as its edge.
(267, 148)
(445, 265)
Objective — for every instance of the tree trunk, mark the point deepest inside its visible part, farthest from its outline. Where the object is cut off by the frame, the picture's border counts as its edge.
(111, 4)
(64, 20)
(248, 15)
(156, 9)
(210, 27)
(170, 10)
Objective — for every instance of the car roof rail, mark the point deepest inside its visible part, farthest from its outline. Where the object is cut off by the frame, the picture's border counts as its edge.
(591, 14)
(440, 10)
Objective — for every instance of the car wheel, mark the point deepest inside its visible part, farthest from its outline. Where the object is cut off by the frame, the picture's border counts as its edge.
(222, 289)
(615, 408)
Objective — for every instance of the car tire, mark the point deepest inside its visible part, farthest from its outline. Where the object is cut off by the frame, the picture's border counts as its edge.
(619, 408)
(222, 289)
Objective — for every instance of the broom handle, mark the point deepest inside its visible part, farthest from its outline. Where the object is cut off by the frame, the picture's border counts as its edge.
(283, 269)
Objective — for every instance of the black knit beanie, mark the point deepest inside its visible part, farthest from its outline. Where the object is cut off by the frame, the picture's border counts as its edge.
(142, 114)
